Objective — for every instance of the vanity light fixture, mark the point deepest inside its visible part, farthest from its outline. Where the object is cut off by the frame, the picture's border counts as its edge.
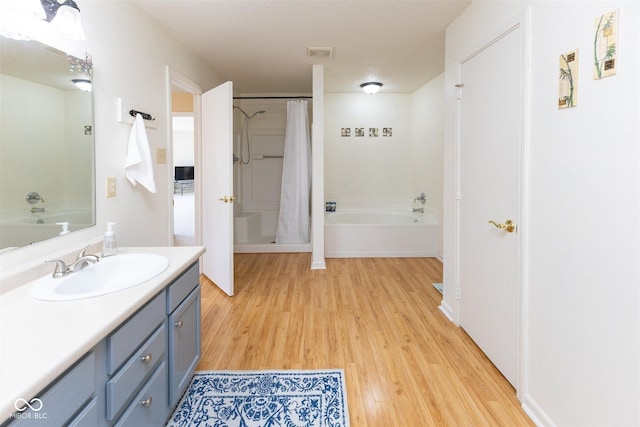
(64, 17)
(371, 87)
(78, 65)
(82, 84)
(34, 19)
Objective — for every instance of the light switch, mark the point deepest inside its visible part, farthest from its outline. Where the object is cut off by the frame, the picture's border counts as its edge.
(111, 187)
(161, 155)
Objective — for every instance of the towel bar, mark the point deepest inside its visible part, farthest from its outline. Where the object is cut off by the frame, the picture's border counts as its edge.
(145, 116)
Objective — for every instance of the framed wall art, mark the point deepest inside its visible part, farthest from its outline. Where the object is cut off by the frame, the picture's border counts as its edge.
(568, 80)
(605, 45)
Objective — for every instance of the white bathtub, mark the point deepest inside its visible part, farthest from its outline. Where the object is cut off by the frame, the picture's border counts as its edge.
(41, 226)
(75, 216)
(380, 233)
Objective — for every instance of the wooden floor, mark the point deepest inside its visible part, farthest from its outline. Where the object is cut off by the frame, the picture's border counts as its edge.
(405, 363)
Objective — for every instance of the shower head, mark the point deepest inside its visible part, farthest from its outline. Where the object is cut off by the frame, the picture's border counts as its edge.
(256, 113)
(235, 107)
(247, 116)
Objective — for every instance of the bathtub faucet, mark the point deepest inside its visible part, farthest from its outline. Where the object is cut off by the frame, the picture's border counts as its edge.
(36, 210)
(422, 198)
(33, 198)
(419, 210)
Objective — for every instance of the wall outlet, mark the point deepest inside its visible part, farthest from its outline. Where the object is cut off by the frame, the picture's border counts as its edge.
(111, 187)
(161, 155)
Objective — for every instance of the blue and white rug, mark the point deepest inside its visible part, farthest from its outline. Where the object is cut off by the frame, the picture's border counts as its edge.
(264, 399)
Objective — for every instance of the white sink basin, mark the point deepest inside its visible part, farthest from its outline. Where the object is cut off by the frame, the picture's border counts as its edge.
(110, 274)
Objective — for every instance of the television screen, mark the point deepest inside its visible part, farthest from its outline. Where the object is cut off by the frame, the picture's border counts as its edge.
(183, 173)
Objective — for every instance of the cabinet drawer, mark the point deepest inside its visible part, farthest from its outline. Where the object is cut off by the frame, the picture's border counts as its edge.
(88, 417)
(127, 338)
(149, 407)
(65, 397)
(134, 372)
(184, 344)
(182, 286)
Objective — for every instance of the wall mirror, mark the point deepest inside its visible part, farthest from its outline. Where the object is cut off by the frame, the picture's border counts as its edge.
(46, 144)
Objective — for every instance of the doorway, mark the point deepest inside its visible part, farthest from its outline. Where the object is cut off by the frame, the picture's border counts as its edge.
(490, 194)
(213, 179)
(184, 219)
(183, 157)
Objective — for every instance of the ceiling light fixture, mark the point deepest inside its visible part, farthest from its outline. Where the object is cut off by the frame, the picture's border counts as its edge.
(82, 84)
(371, 87)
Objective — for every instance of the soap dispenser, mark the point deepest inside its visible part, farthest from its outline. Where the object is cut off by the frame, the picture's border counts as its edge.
(65, 227)
(109, 244)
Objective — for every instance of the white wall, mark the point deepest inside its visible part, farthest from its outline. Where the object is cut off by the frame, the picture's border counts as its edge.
(260, 180)
(582, 293)
(183, 140)
(20, 156)
(368, 168)
(45, 158)
(427, 145)
(79, 190)
(130, 61)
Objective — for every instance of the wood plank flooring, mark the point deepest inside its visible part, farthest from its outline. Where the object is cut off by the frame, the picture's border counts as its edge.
(405, 363)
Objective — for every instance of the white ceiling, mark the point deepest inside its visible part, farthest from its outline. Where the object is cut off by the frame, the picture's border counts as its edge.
(261, 45)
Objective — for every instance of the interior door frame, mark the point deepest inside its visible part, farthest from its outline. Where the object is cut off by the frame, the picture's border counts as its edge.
(174, 78)
(494, 34)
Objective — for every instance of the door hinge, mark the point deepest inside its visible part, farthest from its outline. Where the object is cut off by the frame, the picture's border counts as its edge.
(459, 90)
(458, 193)
(457, 293)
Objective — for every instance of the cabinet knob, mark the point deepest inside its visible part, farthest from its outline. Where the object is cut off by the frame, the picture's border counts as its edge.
(147, 402)
(147, 358)
(178, 324)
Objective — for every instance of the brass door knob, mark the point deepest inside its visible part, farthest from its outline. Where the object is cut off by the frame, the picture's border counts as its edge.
(508, 225)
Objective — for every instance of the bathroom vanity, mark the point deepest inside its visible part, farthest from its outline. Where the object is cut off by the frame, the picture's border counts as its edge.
(119, 359)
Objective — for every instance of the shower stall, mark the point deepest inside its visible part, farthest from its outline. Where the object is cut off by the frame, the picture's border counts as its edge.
(260, 131)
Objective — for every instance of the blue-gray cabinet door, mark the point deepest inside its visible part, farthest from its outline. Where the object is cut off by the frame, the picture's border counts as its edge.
(184, 345)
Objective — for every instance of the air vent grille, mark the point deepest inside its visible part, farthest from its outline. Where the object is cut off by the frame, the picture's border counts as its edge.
(320, 52)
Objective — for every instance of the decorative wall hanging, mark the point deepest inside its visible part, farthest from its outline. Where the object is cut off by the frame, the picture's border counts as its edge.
(568, 80)
(360, 132)
(605, 45)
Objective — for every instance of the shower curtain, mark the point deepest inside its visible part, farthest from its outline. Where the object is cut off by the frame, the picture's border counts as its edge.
(293, 222)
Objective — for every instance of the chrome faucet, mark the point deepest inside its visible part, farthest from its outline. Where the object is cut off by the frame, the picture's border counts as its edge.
(83, 260)
(419, 210)
(33, 198)
(422, 198)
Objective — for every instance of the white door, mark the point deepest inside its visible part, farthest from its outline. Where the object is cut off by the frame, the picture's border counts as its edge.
(216, 168)
(490, 157)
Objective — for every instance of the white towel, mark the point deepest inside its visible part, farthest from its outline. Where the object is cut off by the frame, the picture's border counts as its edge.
(139, 167)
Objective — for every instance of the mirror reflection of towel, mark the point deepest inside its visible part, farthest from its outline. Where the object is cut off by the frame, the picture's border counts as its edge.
(138, 167)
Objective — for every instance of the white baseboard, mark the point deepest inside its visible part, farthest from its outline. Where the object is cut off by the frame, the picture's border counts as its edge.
(444, 307)
(535, 412)
(319, 265)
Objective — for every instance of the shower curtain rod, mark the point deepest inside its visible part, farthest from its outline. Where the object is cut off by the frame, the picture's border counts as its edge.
(273, 97)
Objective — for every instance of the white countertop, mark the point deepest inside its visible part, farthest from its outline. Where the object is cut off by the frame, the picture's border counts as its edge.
(39, 340)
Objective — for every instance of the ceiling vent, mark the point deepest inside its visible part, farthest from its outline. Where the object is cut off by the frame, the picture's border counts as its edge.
(320, 52)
